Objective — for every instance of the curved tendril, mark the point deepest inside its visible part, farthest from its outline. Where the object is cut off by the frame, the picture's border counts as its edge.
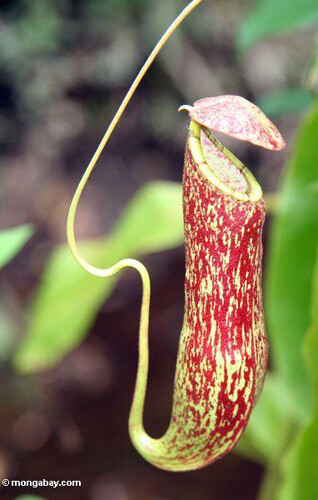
(141, 382)
(103, 273)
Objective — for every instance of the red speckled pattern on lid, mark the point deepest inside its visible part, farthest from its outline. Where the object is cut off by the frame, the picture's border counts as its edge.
(239, 118)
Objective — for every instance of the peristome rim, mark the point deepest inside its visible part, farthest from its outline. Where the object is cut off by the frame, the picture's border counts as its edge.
(255, 192)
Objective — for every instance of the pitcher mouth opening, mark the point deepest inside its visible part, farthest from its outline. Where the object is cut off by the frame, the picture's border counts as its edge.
(220, 167)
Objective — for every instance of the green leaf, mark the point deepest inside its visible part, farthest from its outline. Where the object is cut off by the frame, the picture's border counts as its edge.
(300, 479)
(68, 299)
(29, 497)
(265, 431)
(312, 76)
(285, 101)
(311, 341)
(64, 307)
(153, 220)
(12, 240)
(271, 17)
(292, 254)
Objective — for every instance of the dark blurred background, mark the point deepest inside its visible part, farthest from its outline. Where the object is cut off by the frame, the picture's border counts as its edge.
(65, 66)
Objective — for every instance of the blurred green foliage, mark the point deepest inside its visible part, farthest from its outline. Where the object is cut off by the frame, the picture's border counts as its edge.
(12, 240)
(68, 299)
(29, 497)
(300, 465)
(312, 75)
(285, 101)
(272, 17)
(291, 262)
(268, 427)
